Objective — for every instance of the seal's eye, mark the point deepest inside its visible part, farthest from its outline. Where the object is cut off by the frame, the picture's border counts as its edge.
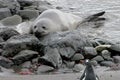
(44, 27)
(35, 26)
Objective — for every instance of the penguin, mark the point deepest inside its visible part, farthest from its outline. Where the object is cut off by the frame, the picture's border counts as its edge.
(89, 73)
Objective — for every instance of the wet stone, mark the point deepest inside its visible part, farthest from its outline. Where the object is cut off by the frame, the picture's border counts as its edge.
(106, 55)
(5, 62)
(107, 63)
(21, 42)
(23, 56)
(116, 59)
(11, 21)
(1, 39)
(69, 64)
(4, 12)
(90, 52)
(44, 69)
(78, 68)
(28, 14)
(98, 58)
(6, 33)
(51, 58)
(77, 57)
(94, 62)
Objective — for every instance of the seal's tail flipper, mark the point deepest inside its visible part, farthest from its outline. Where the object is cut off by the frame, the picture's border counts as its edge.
(95, 17)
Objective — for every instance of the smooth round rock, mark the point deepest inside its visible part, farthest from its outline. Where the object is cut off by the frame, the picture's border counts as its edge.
(44, 69)
(94, 62)
(4, 12)
(90, 51)
(116, 59)
(98, 58)
(69, 64)
(28, 14)
(78, 68)
(77, 57)
(102, 47)
(23, 56)
(7, 33)
(106, 55)
(107, 63)
(12, 21)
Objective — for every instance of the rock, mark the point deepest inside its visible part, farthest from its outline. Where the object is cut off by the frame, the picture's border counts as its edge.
(44, 69)
(29, 14)
(107, 63)
(2, 45)
(98, 58)
(64, 44)
(1, 39)
(26, 64)
(67, 43)
(13, 5)
(42, 8)
(12, 20)
(51, 58)
(77, 57)
(44, 5)
(69, 64)
(23, 56)
(1, 69)
(24, 3)
(67, 52)
(4, 12)
(31, 8)
(106, 55)
(16, 68)
(21, 42)
(101, 41)
(94, 62)
(6, 33)
(115, 49)
(102, 47)
(116, 59)
(78, 68)
(89, 52)
(5, 62)
(1, 51)
(59, 7)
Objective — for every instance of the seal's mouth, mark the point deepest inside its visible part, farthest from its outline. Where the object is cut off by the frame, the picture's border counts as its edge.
(40, 34)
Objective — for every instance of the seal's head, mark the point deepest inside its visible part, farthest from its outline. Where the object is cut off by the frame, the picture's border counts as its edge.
(43, 27)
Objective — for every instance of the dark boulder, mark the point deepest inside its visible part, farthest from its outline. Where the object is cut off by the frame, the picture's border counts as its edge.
(5, 62)
(51, 58)
(67, 43)
(107, 63)
(64, 44)
(23, 56)
(4, 12)
(21, 42)
(6, 33)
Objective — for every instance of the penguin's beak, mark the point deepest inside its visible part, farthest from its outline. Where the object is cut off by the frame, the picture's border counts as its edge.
(82, 61)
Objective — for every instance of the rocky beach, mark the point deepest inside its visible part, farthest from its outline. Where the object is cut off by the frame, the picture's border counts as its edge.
(59, 55)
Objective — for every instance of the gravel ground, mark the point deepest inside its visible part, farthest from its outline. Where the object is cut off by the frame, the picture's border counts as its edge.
(109, 75)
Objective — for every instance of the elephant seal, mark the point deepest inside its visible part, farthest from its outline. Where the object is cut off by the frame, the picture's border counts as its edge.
(53, 20)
